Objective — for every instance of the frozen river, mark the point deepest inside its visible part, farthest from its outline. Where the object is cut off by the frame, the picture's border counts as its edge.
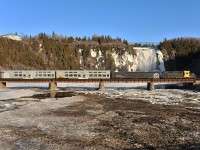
(32, 118)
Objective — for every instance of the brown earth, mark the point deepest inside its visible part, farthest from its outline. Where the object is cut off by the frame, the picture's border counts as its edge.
(108, 123)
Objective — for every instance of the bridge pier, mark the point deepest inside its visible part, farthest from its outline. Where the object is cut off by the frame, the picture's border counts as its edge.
(3, 85)
(196, 85)
(150, 86)
(53, 86)
(101, 86)
(189, 85)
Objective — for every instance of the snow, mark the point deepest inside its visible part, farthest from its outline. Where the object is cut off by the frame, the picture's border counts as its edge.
(161, 61)
(22, 114)
(12, 94)
(93, 53)
(146, 59)
(115, 90)
(13, 37)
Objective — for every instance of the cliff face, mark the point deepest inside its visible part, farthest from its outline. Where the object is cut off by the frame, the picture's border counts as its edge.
(44, 52)
(182, 54)
(139, 59)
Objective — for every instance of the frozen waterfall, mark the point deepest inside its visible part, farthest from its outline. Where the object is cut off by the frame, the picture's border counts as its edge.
(148, 59)
(145, 60)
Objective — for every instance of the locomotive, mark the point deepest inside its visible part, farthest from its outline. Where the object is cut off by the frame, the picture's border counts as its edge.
(90, 74)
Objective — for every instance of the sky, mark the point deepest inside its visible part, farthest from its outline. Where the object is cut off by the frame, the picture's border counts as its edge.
(131, 20)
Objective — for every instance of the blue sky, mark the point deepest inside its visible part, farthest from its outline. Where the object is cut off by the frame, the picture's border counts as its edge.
(133, 20)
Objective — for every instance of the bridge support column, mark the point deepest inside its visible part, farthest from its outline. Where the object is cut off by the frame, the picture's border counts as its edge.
(53, 86)
(189, 85)
(150, 86)
(196, 85)
(3, 85)
(101, 86)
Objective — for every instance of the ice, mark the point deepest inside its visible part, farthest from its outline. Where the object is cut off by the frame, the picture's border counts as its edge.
(113, 90)
(146, 59)
(28, 123)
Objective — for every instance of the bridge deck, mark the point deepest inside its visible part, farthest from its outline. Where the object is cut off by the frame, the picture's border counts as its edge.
(101, 80)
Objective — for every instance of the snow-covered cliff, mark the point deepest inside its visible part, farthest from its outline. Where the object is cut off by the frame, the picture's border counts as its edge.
(144, 59)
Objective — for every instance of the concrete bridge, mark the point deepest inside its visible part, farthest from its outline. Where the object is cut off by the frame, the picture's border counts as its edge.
(150, 82)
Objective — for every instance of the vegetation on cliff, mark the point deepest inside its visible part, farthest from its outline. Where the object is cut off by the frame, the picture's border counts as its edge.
(58, 52)
(181, 54)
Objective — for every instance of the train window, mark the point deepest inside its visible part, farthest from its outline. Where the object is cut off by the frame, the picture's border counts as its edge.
(104, 75)
(45, 75)
(75, 75)
(24, 75)
(79, 75)
(91, 75)
(16, 75)
(52, 75)
(75, 72)
(107, 75)
(20, 75)
(70, 72)
(95, 75)
(99, 75)
(70, 75)
(66, 75)
(49, 75)
(40, 75)
(36, 75)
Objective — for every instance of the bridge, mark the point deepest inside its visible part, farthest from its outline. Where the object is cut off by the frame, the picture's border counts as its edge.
(53, 82)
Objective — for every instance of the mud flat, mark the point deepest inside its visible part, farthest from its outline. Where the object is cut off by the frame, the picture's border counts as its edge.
(112, 119)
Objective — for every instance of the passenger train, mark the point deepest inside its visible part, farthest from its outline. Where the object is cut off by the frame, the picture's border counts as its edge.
(90, 74)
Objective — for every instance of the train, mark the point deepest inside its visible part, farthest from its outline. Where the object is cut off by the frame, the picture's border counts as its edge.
(91, 74)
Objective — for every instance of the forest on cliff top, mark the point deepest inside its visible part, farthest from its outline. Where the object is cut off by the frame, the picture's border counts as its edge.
(60, 52)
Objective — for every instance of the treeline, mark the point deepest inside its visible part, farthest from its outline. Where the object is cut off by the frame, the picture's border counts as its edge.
(181, 54)
(14, 54)
(54, 51)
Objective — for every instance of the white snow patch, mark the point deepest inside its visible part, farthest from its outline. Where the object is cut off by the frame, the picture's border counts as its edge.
(13, 37)
(160, 60)
(93, 53)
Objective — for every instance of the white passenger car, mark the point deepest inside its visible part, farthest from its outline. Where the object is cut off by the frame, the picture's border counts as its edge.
(83, 74)
(28, 74)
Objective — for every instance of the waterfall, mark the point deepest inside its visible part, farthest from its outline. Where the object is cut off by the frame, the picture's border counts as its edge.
(160, 60)
(147, 59)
